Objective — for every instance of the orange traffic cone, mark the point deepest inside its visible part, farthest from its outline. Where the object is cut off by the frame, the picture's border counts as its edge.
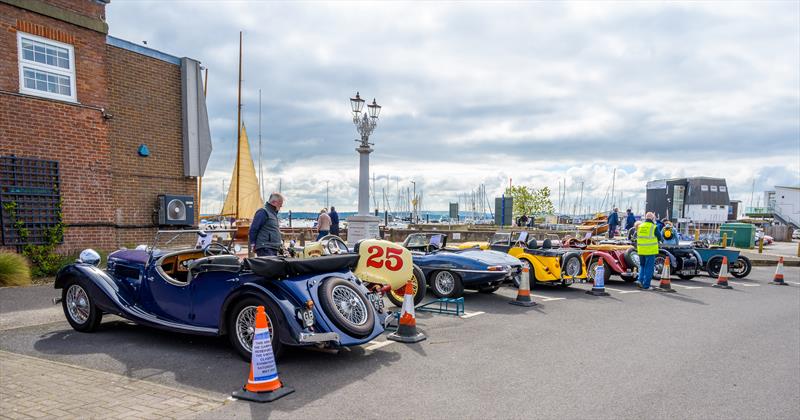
(665, 285)
(722, 279)
(407, 326)
(263, 385)
(524, 291)
(778, 279)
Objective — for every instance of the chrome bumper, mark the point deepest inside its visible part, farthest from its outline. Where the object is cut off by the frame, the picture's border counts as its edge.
(311, 338)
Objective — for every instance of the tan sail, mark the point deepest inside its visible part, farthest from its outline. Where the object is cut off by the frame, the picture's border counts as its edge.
(250, 195)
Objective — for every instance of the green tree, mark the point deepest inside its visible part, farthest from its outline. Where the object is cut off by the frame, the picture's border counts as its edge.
(530, 201)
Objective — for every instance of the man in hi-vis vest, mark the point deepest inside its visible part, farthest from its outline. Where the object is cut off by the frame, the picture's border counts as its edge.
(647, 237)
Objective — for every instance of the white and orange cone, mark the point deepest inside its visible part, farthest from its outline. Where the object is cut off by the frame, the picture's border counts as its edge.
(263, 385)
(778, 279)
(407, 326)
(722, 279)
(524, 291)
(665, 285)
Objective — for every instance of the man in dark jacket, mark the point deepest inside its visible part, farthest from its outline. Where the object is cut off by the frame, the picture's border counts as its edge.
(630, 220)
(265, 231)
(334, 221)
(613, 222)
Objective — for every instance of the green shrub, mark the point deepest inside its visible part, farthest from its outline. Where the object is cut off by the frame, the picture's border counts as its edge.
(46, 262)
(14, 270)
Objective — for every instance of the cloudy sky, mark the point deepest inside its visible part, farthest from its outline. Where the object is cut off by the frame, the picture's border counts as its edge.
(479, 93)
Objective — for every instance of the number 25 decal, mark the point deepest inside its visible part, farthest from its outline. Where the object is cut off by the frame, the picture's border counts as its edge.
(393, 262)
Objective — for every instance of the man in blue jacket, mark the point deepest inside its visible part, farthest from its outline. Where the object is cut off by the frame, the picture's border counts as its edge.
(265, 230)
(630, 220)
(613, 222)
(334, 221)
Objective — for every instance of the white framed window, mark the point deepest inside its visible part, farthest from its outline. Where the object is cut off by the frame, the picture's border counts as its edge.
(705, 206)
(46, 67)
(704, 188)
(713, 206)
(714, 188)
(723, 188)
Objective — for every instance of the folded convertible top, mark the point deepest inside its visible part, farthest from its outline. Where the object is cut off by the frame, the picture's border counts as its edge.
(279, 267)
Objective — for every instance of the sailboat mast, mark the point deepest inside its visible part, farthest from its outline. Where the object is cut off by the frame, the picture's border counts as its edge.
(260, 171)
(613, 182)
(239, 128)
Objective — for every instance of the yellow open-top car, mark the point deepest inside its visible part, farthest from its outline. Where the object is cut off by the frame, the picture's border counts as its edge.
(546, 261)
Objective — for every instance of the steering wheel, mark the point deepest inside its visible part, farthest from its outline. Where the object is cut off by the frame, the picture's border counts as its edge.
(333, 244)
(216, 248)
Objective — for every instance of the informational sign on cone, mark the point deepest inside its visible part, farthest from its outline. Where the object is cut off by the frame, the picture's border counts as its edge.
(264, 368)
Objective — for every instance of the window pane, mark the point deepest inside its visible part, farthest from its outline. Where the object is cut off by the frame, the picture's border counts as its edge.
(44, 53)
(47, 82)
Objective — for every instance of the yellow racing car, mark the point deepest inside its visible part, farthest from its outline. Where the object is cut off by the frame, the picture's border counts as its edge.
(546, 261)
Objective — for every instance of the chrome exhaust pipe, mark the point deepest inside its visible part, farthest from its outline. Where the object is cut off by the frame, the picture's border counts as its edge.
(56, 300)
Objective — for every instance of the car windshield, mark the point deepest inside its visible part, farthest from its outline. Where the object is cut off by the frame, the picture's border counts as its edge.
(519, 236)
(500, 238)
(175, 240)
(417, 240)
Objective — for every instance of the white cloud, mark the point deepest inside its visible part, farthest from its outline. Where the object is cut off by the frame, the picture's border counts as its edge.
(478, 93)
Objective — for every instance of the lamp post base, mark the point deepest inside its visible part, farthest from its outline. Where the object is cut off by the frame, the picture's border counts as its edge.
(362, 227)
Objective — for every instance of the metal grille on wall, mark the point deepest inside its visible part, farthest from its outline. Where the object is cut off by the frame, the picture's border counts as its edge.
(30, 198)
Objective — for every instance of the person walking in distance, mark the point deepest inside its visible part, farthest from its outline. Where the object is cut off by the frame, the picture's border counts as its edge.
(613, 222)
(323, 224)
(265, 230)
(630, 220)
(648, 236)
(334, 221)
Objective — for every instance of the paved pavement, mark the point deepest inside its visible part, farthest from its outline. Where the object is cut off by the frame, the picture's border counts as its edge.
(698, 353)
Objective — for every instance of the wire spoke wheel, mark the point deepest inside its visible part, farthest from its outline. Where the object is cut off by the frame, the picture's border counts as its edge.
(246, 327)
(78, 304)
(573, 267)
(399, 294)
(444, 282)
(349, 305)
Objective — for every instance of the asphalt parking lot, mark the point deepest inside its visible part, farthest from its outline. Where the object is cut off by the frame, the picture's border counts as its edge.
(698, 353)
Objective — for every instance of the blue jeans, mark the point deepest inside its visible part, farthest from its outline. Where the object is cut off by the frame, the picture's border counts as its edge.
(647, 266)
(322, 233)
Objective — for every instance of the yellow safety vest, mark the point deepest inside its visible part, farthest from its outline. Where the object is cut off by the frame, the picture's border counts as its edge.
(646, 241)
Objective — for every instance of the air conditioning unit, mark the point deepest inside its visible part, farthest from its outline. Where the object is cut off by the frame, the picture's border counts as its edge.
(175, 210)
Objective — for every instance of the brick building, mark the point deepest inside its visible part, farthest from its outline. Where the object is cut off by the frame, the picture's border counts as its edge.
(115, 124)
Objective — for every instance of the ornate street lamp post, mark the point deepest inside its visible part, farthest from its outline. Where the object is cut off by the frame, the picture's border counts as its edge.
(363, 225)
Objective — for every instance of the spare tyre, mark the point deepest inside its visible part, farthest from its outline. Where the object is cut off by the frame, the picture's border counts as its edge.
(347, 307)
(571, 265)
(631, 258)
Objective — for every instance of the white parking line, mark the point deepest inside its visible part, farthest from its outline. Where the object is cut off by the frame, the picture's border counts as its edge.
(471, 314)
(686, 287)
(547, 299)
(744, 284)
(622, 292)
(378, 344)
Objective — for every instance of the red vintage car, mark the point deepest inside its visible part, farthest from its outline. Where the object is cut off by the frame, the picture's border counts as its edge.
(617, 259)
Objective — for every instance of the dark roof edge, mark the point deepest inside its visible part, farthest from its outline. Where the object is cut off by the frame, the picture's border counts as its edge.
(45, 9)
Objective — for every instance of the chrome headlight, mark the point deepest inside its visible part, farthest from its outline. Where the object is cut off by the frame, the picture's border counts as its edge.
(89, 256)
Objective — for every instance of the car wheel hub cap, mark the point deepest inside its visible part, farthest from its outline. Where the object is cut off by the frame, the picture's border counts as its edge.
(245, 327)
(77, 304)
(445, 283)
(349, 305)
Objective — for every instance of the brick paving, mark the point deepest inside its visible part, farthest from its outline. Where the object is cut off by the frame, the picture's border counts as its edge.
(37, 388)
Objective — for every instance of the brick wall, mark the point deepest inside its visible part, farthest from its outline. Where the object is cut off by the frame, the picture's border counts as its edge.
(108, 191)
(145, 96)
(76, 135)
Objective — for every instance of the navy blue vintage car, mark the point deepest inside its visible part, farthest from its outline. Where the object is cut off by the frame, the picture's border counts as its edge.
(450, 271)
(208, 290)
